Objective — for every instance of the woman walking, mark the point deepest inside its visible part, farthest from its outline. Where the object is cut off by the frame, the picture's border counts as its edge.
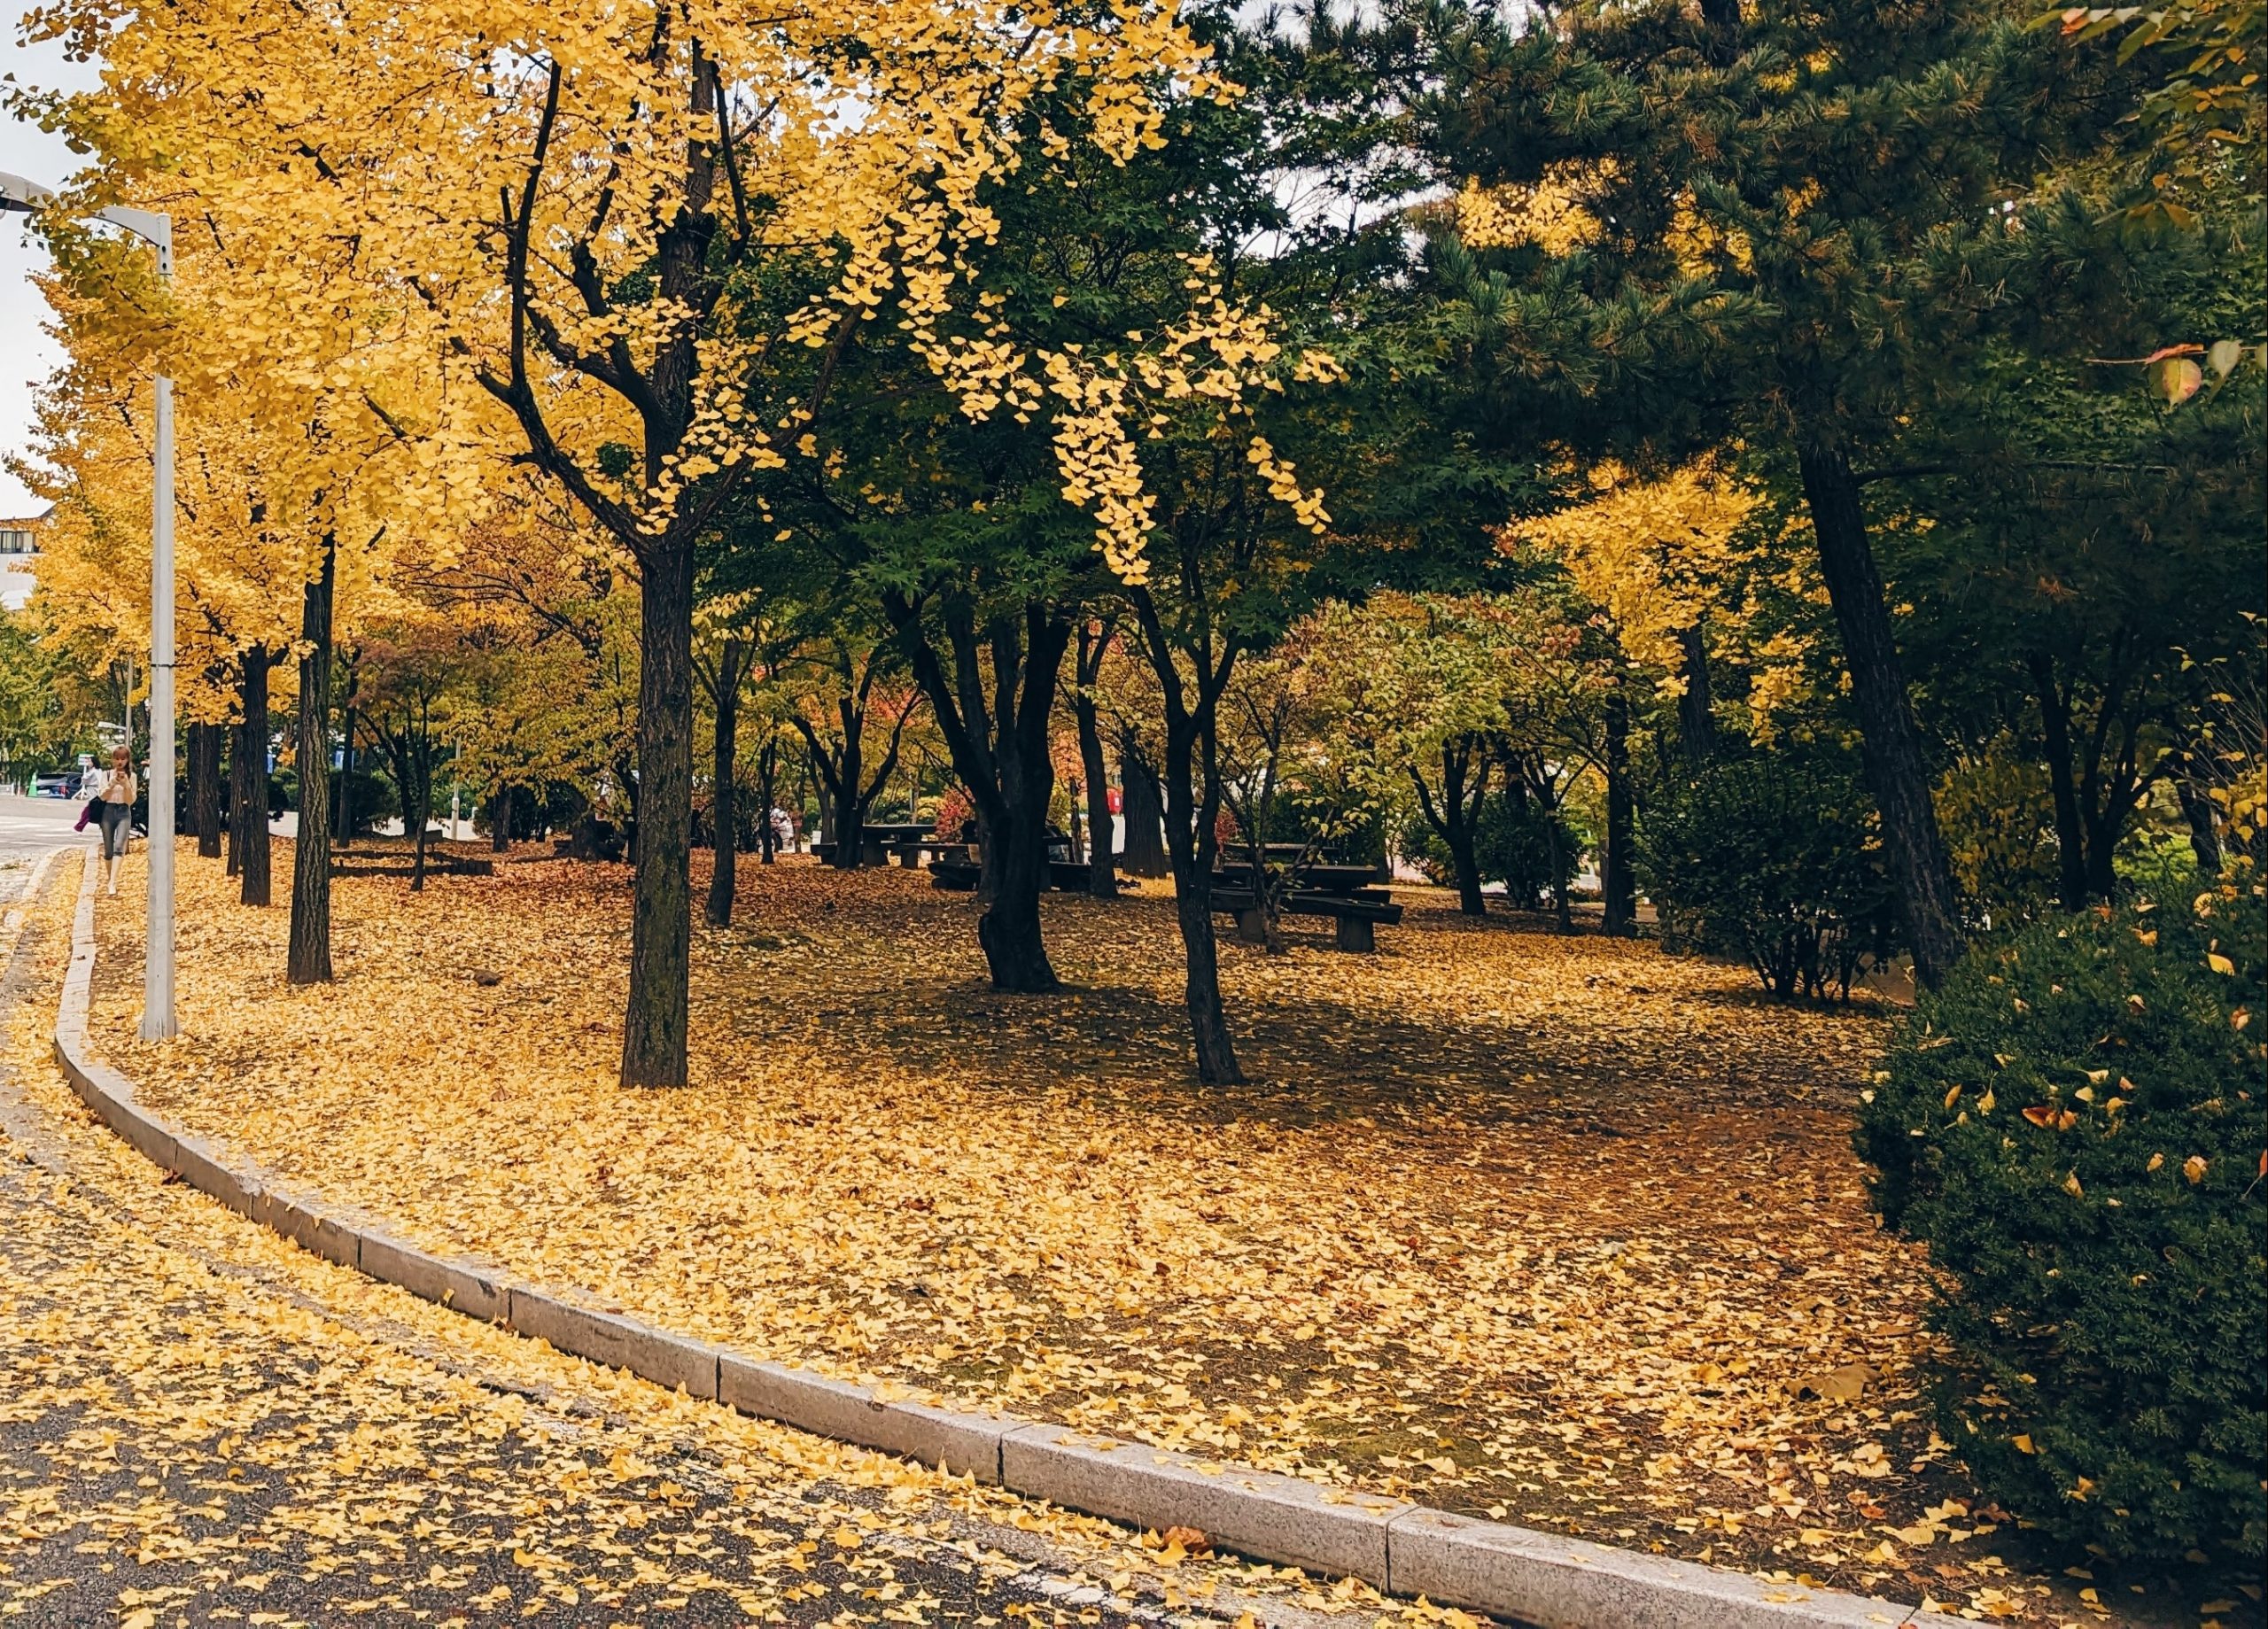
(116, 795)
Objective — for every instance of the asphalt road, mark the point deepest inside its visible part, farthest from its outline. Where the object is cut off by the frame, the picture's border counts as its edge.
(200, 1425)
(31, 825)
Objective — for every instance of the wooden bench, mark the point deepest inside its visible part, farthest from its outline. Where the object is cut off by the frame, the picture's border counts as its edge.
(910, 854)
(1356, 915)
(1064, 876)
(391, 865)
(960, 875)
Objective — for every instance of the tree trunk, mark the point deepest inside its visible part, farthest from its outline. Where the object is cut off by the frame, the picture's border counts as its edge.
(1563, 867)
(1454, 820)
(499, 819)
(1464, 864)
(248, 781)
(2104, 830)
(825, 804)
(343, 825)
(1617, 878)
(309, 959)
(409, 747)
(1697, 723)
(2197, 809)
(204, 798)
(1102, 881)
(661, 932)
(1516, 794)
(1009, 929)
(1144, 853)
(724, 817)
(1896, 768)
(1191, 844)
(999, 749)
(1015, 866)
(767, 778)
(2056, 736)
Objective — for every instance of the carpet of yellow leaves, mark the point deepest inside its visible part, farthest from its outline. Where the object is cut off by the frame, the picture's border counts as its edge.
(200, 1425)
(1560, 1229)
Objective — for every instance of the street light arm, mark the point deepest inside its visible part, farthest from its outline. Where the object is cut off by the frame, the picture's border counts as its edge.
(21, 195)
(145, 224)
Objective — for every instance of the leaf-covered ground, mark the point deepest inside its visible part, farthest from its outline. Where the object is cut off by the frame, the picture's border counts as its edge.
(1563, 1230)
(201, 1425)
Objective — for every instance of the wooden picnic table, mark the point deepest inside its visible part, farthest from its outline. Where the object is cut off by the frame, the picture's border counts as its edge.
(1354, 914)
(1315, 878)
(878, 841)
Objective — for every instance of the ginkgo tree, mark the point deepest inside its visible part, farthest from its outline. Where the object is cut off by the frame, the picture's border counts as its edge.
(641, 235)
(292, 475)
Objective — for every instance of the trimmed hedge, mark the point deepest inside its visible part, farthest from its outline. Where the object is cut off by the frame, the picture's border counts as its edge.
(2075, 1123)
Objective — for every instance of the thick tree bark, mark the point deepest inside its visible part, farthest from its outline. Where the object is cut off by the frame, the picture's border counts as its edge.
(204, 788)
(1696, 724)
(1000, 749)
(654, 1034)
(499, 819)
(1516, 794)
(1144, 853)
(309, 958)
(248, 780)
(1897, 770)
(1618, 877)
(724, 816)
(1015, 835)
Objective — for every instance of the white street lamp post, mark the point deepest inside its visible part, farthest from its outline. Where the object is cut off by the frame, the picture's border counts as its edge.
(159, 1022)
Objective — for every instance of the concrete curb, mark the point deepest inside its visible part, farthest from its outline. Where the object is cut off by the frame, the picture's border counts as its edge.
(1509, 1572)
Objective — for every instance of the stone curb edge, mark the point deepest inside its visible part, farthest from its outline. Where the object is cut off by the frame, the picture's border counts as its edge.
(1515, 1573)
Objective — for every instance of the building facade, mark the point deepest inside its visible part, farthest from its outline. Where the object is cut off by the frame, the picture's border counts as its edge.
(20, 559)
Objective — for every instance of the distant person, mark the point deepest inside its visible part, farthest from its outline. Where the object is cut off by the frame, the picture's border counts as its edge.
(115, 795)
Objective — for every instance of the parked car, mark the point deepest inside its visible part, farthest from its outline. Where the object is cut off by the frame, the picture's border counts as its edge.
(57, 786)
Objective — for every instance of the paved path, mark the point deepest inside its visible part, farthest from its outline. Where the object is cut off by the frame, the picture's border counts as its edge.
(200, 1425)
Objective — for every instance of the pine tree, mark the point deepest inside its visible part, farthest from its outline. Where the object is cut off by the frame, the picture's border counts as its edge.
(1781, 224)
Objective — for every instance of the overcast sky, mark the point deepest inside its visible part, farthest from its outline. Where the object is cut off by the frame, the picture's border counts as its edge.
(26, 353)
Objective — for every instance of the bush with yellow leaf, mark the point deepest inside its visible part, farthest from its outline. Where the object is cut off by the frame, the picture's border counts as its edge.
(2077, 1123)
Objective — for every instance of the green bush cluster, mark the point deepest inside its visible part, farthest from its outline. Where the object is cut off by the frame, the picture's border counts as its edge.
(2074, 1123)
(1512, 843)
(1772, 858)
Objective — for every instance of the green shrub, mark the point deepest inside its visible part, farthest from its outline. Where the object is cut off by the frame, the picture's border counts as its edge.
(1512, 844)
(1772, 858)
(2075, 1125)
